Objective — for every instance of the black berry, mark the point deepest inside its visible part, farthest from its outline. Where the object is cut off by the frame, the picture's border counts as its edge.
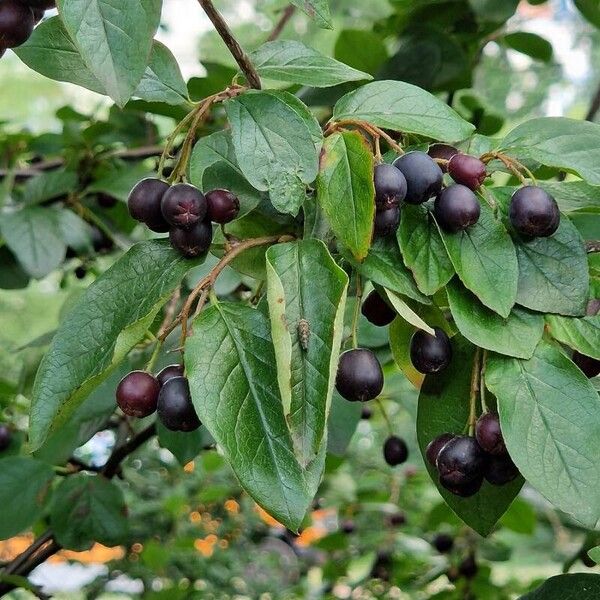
(386, 221)
(456, 208)
(366, 413)
(489, 434)
(223, 206)
(183, 206)
(464, 490)
(169, 372)
(395, 451)
(533, 212)
(359, 375)
(443, 151)
(377, 311)
(428, 353)
(468, 170)
(144, 203)
(423, 176)
(348, 526)
(192, 242)
(5, 437)
(106, 201)
(396, 519)
(16, 23)
(40, 4)
(443, 543)
(175, 408)
(390, 186)
(590, 366)
(38, 15)
(468, 567)
(137, 394)
(435, 445)
(100, 241)
(80, 272)
(500, 470)
(460, 461)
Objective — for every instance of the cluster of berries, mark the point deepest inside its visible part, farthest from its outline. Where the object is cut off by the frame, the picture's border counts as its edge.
(463, 462)
(17, 20)
(416, 177)
(182, 210)
(139, 394)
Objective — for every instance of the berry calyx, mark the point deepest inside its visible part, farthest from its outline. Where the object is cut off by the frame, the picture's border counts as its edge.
(192, 242)
(460, 461)
(395, 451)
(137, 394)
(467, 170)
(443, 543)
(5, 437)
(435, 445)
(533, 212)
(144, 203)
(168, 373)
(489, 434)
(423, 176)
(359, 375)
(175, 408)
(390, 185)
(500, 470)
(183, 206)
(16, 23)
(377, 311)
(456, 208)
(444, 152)
(386, 221)
(428, 353)
(223, 206)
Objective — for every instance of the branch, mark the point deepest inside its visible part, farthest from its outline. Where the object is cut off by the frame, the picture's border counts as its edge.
(241, 58)
(119, 454)
(287, 14)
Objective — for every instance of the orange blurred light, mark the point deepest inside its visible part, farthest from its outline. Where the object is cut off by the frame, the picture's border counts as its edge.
(232, 506)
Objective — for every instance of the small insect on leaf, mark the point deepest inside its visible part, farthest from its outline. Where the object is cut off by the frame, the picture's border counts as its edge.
(303, 333)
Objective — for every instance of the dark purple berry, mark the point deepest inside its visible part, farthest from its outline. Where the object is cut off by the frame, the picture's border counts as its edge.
(395, 451)
(40, 4)
(348, 526)
(175, 408)
(397, 519)
(144, 203)
(468, 567)
(16, 23)
(106, 200)
(80, 272)
(443, 543)
(137, 394)
(223, 206)
(423, 176)
(456, 208)
(467, 170)
(460, 461)
(192, 242)
(366, 413)
(428, 353)
(5, 437)
(464, 490)
(386, 221)
(500, 470)
(183, 206)
(169, 372)
(489, 434)
(38, 15)
(435, 445)
(590, 366)
(359, 375)
(377, 311)
(533, 212)
(443, 151)
(390, 186)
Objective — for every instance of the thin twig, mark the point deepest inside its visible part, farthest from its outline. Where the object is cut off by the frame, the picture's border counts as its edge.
(241, 58)
(475, 378)
(286, 15)
(358, 299)
(594, 106)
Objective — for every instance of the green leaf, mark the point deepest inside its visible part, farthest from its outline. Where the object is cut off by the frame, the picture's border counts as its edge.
(230, 362)
(384, 266)
(75, 232)
(578, 586)
(88, 509)
(444, 407)
(594, 554)
(114, 40)
(317, 10)
(34, 237)
(293, 62)
(400, 333)
(274, 145)
(210, 150)
(110, 317)
(573, 195)
(580, 334)
(590, 9)
(407, 313)
(47, 186)
(403, 107)
(361, 49)
(531, 44)
(346, 192)
(549, 417)
(567, 144)
(24, 487)
(493, 11)
(486, 262)
(423, 250)
(343, 421)
(184, 445)
(517, 335)
(116, 180)
(307, 323)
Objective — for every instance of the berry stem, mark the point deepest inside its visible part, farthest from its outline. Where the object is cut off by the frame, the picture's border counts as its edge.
(286, 15)
(484, 406)
(386, 417)
(475, 375)
(358, 298)
(374, 131)
(154, 357)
